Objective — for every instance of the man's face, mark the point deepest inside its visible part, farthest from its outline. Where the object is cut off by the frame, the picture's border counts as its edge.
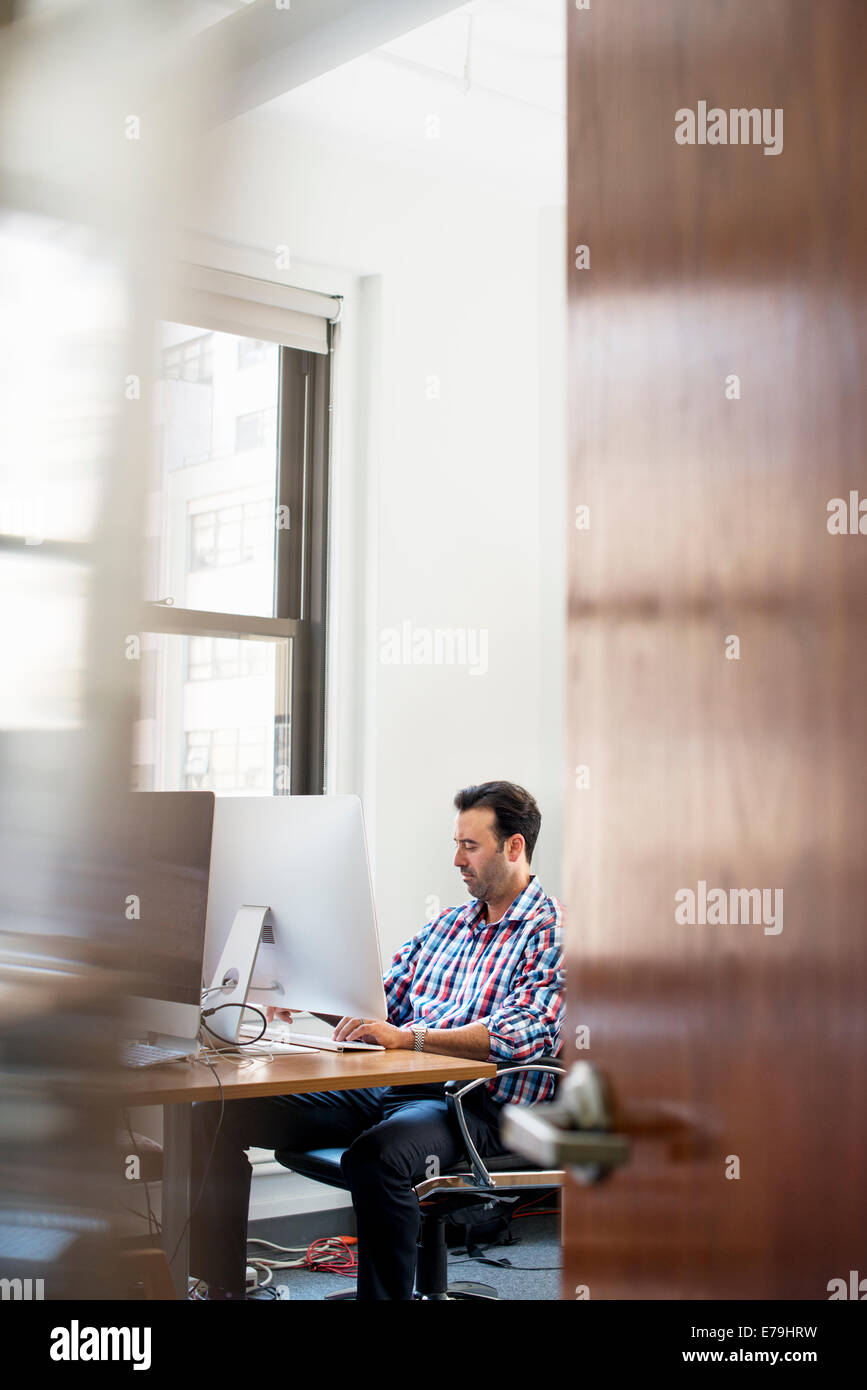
(483, 865)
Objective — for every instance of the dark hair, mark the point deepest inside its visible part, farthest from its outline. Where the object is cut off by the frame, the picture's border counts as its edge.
(515, 810)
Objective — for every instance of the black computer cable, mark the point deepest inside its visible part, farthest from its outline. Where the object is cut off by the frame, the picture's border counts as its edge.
(247, 1042)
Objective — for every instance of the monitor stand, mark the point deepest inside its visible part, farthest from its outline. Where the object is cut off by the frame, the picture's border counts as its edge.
(231, 981)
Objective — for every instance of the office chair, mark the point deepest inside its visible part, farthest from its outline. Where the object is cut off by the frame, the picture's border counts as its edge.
(471, 1181)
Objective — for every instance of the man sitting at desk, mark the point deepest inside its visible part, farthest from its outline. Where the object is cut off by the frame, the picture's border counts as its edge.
(482, 981)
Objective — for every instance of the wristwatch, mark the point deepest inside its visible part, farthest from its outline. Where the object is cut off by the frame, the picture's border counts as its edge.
(418, 1032)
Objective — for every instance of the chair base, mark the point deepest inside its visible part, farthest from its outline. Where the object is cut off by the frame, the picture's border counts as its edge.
(470, 1290)
(465, 1289)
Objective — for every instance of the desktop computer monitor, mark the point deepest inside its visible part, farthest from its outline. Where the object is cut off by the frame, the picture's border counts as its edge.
(169, 838)
(291, 916)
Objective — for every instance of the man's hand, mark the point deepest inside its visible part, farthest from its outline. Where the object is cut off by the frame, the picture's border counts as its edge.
(284, 1015)
(372, 1030)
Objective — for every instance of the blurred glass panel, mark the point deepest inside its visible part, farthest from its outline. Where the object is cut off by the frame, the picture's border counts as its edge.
(214, 715)
(212, 532)
(101, 107)
(64, 727)
(42, 621)
(61, 385)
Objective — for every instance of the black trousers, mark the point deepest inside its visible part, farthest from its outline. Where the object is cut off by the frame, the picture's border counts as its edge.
(392, 1136)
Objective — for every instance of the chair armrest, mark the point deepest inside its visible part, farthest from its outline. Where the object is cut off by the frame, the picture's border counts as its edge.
(456, 1090)
(549, 1063)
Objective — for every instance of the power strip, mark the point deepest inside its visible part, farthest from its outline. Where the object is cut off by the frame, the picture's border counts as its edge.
(251, 1279)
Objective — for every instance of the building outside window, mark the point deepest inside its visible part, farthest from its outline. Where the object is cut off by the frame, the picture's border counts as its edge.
(235, 760)
(233, 478)
(233, 535)
(210, 658)
(192, 360)
(252, 430)
(252, 351)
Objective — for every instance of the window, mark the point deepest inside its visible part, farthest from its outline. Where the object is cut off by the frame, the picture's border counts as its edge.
(217, 659)
(214, 483)
(228, 760)
(234, 642)
(192, 360)
(251, 431)
(205, 696)
(234, 535)
(252, 351)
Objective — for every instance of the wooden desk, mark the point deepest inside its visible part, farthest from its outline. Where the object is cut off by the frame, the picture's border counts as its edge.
(295, 1074)
(177, 1085)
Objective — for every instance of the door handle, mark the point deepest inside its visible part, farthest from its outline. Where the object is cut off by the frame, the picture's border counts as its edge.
(572, 1132)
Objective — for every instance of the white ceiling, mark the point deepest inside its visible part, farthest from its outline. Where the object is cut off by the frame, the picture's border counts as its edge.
(478, 94)
(495, 46)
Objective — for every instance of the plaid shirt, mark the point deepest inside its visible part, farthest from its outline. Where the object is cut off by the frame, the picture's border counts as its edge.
(507, 975)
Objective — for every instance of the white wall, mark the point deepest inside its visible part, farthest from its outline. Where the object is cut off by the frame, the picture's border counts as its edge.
(447, 512)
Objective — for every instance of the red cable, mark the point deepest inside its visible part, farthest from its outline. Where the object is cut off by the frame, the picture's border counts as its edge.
(334, 1265)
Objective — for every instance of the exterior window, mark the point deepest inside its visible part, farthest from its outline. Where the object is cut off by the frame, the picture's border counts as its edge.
(252, 351)
(232, 689)
(192, 360)
(228, 760)
(235, 535)
(219, 659)
(251, 431)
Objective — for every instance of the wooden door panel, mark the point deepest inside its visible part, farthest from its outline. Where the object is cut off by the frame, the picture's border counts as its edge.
(720, 1039)
(708, 521)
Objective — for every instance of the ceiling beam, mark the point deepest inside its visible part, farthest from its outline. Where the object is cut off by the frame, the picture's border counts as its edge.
(262, 51)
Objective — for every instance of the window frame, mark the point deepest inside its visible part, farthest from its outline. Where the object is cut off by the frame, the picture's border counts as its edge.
(299, 622)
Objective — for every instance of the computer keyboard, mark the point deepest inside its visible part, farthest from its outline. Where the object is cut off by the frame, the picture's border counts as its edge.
(277, 1046)
(292, 1036)
(140, 1054)
(329, 1044)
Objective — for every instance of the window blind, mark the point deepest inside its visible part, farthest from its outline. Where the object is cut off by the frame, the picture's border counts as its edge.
(249, 307)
